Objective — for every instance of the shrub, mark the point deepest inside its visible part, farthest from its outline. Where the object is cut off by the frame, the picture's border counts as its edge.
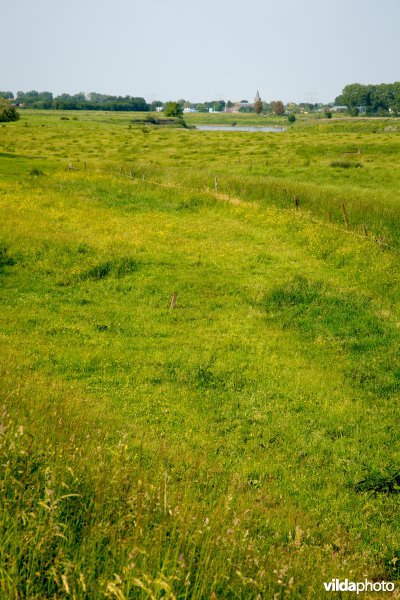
(173, 109)
(291, 118)
(385, 483)
(7, 112)
(35, 172)
(151, 119)
(344, 164)
(117, 267)
(5, 259)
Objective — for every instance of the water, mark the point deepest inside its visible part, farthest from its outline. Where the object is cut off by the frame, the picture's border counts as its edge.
(239, 128)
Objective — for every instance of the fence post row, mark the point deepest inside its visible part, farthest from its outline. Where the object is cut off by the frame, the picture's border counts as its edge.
(378, 239)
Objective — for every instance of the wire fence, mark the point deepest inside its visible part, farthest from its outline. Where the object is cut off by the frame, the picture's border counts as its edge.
(371, 238)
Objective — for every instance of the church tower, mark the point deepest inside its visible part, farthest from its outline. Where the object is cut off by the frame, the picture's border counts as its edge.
(257, 104)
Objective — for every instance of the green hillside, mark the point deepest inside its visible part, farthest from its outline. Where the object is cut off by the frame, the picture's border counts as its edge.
(242, 443)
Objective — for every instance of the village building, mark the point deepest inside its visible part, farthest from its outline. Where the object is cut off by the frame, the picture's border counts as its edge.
(238, 105)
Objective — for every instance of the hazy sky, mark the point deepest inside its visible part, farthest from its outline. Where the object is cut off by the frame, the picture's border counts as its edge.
(201, 49)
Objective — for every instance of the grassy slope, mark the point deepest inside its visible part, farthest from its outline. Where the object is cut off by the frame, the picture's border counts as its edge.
(272, 166)
(214, 448)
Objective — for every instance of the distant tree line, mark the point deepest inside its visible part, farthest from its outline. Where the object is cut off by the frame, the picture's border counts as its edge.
(81, 101)
(379, 99)
(96, 101)
(372, 99)
(214, 105)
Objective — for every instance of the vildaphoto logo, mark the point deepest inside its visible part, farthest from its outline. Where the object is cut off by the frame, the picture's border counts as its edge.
(336, 585)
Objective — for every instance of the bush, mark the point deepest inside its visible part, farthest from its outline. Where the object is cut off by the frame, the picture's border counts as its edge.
(345, 164)
(7, 112)
(35, 172)
(5, 258)
(291, 118)
(386, 483)
(173, 109)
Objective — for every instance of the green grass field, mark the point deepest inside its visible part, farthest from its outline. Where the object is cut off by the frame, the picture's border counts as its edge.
(243, 444)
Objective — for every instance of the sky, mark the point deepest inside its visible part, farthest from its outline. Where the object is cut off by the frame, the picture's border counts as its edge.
(199, 50)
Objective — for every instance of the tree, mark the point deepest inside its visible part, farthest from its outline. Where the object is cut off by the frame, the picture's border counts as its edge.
(382, 98)
(218, 105)
(156, 104)
(35, 99)
(7, 111)
(396, 97)
(268, 107)
(308, 107)
(356, 95)
(173, 109)
(292, 107)
(201, 107)
(7, 95)
(279, 109)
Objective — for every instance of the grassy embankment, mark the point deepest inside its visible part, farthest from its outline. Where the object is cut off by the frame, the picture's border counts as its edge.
(214, 450)
(351, 161)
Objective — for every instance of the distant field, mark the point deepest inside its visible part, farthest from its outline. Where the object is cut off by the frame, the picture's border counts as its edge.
(242, 444)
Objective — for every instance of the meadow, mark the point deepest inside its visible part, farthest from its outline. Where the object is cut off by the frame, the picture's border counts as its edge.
(240, 444)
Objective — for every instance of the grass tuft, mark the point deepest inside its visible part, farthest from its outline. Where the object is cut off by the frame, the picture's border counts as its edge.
(344, 164)
(35, 172)
(118, 268)
(388, 483)
(5, 259)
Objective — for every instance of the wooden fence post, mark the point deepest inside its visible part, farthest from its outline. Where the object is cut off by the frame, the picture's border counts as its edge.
(216, 184)
(365, 229)
(165, 492)
(173, 301)
(345, 215)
